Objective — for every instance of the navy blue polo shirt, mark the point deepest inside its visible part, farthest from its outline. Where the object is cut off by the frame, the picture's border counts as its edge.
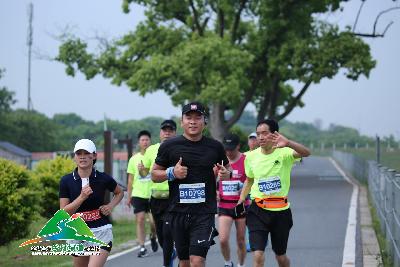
(71, 186)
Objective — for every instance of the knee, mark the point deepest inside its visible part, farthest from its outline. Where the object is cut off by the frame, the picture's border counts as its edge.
(224, 241)
(282, 259)
(140, 219)
(259, 258)
(241, 244)
(197, 261)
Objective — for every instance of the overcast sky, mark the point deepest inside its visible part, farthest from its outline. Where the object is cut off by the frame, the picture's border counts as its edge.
(370, 105)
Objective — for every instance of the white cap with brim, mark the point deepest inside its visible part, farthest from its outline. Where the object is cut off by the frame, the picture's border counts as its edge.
(85, 144)
(252, 135)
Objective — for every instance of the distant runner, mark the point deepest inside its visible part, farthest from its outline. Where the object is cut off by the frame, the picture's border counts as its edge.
(139, 194)
(160, 194)
(229, 193)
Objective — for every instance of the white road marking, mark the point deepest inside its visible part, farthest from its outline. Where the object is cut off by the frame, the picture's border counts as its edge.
(349, 250)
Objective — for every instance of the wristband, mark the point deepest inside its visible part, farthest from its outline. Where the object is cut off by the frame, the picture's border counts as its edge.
(170, 174)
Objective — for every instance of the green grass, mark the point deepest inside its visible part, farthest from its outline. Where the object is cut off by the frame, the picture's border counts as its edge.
(13, 256)
(390, 159)
(386, 259)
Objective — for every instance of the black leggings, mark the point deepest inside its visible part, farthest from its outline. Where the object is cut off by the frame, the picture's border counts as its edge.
(164, 233)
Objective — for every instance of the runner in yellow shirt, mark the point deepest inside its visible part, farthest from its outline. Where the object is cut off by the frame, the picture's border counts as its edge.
(268, 177)
(139, 193)
(160, 194)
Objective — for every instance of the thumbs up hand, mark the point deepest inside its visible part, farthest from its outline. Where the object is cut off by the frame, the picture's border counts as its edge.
(223, 172)
(140, 166)
(180, 171)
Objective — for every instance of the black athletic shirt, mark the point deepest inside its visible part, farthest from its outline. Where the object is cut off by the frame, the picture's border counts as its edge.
(71, 186)
(199, 157)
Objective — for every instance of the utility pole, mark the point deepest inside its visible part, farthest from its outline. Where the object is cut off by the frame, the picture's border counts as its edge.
(29, 43)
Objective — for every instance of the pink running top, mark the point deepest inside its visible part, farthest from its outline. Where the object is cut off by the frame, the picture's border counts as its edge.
(229, 190)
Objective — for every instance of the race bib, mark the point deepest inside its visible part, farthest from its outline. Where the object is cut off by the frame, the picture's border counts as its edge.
(145, 179)
(91, 215)
(230, 188)
(270, 185)
(192, 193)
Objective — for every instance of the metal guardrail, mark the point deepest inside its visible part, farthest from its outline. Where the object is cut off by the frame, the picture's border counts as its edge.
(384, 188)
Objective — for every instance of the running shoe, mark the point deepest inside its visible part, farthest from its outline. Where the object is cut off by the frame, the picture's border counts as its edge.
(142, 252)
(229, 265)
(154, 244)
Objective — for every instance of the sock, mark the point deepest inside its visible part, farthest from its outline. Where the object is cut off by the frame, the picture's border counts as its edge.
(240, 265)
(228, 263)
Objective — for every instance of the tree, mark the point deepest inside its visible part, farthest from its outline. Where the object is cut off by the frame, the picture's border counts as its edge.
(31, 130)
(226, 54)
(6, 97)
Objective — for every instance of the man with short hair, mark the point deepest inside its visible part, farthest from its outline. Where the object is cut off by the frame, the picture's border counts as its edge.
(268, 177)
(139, 193)
(160, 194)
(229, 193)
(187, 162)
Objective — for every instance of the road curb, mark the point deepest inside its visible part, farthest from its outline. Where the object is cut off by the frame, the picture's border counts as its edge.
(371, 252)
(369, 242)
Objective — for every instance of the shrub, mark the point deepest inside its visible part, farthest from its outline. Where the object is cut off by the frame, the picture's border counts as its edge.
(18, 201)
(47, 174)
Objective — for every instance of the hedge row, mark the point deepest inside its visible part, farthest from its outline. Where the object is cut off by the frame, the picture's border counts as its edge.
(24, 194)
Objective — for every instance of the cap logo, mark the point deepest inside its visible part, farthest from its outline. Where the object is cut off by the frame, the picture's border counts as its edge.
(193, 107)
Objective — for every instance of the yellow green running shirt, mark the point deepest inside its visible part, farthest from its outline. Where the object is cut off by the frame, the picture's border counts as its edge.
(271, 173)
(141, 186)
(148, 162)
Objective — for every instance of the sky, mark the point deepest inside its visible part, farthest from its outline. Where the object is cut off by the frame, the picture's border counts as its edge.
(370, 105)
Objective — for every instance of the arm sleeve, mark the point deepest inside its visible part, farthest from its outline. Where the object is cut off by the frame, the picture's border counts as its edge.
(247, 168)
(162, 158)
(111, 183)
(64, 190)
(131, 167)
(289, 155)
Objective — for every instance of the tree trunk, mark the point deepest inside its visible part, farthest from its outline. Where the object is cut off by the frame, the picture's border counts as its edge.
(217, 124)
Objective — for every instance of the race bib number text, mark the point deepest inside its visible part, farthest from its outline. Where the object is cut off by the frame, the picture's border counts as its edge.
(270, 185)
(192, 193)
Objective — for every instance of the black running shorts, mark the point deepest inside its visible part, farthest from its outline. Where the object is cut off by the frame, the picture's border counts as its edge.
(261, 223)
(230, 213)
(140, 204)
(193, 233)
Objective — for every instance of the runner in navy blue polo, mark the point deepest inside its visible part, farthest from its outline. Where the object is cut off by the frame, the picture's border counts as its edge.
(82, 191)
(187, 162)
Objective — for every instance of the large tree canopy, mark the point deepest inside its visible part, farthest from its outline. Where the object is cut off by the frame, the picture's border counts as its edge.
(226, 53)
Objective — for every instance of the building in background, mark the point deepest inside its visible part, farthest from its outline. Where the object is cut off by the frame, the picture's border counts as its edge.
(15, 153)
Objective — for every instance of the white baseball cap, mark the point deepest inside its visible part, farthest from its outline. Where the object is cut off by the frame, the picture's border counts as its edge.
(252, 135)
(86, 145)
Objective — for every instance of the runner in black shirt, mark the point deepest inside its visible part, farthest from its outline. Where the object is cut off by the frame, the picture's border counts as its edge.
(187, 162)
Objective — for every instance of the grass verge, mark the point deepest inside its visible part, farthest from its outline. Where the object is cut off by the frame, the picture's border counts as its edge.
(386, 259)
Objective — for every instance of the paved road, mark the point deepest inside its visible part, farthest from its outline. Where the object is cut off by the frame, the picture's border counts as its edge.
(320, 200)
